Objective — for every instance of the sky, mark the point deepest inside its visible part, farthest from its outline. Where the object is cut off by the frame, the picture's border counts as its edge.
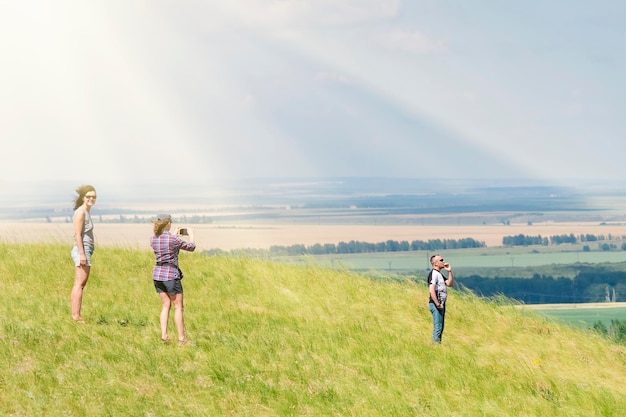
(119, 91)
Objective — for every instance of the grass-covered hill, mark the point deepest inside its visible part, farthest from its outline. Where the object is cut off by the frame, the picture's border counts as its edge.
(277, 340)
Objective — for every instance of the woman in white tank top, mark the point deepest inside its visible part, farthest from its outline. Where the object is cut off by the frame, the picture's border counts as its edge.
(83, 245)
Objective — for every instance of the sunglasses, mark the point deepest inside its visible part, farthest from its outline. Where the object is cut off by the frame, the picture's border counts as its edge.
(90, 197)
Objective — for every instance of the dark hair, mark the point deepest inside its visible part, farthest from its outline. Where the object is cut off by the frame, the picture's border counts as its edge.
(81, 191)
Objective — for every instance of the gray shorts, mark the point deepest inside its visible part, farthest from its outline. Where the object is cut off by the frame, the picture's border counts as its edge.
(173, 286)
(76, 255)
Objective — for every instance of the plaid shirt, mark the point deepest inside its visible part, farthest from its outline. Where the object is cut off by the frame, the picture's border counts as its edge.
(166, 248)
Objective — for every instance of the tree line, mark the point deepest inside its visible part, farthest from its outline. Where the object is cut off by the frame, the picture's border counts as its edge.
(525, 240)
(593, 284)
(355, 246)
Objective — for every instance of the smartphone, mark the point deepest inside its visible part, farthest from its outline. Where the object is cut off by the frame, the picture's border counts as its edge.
(183, 232)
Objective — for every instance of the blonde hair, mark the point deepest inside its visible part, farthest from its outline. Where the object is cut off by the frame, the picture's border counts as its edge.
(159, 225)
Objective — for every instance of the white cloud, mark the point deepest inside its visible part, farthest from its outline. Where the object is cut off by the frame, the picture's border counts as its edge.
(240, 87)
(414, 42)
(305, 13)
(248, 102)
(333, 77)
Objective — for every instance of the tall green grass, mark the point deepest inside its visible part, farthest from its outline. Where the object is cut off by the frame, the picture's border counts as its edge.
(277, 340)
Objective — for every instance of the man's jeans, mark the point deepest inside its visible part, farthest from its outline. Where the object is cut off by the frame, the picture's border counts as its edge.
(438, 321)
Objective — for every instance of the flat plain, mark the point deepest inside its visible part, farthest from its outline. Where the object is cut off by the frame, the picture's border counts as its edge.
(266, 212)
(583, 315)
(258, 235)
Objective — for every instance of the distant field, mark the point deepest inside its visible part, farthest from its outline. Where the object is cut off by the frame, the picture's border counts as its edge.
(228, 236)
(493, 260)
(582, 315)
(471, 261)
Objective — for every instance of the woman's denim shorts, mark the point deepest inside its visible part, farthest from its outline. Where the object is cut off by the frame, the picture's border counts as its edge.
(76, 255)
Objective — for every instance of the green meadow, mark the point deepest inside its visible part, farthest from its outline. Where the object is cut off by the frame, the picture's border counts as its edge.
(585, 317)
(523, 261)
(272, 339)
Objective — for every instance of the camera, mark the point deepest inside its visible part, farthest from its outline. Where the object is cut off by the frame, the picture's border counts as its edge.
(183, 232)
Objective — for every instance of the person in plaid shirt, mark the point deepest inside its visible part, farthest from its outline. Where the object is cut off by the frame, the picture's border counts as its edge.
(166, 274)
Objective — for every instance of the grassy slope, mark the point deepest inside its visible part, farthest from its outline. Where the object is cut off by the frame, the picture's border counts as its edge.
(278, 340)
